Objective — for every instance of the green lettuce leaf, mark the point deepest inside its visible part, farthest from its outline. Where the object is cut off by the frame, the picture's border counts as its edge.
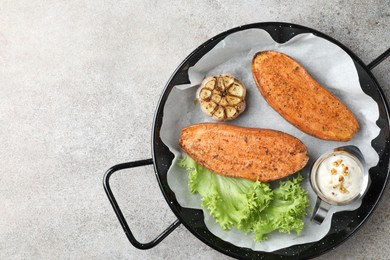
(285, 211)
(250, 206)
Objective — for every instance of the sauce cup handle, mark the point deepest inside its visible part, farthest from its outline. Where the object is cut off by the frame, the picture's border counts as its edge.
(320, 211)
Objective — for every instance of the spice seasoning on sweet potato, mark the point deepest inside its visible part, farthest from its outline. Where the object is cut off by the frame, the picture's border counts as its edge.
(251, 153)
(296, 96)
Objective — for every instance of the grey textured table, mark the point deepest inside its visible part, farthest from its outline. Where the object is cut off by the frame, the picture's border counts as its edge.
(79, 83)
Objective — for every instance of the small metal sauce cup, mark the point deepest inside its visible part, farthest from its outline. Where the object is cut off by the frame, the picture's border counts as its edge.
(323, 203)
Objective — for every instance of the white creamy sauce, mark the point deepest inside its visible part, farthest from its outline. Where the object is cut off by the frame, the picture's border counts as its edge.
(339, 177)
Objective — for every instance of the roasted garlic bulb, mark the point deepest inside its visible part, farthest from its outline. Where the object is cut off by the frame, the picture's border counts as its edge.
(222, 97)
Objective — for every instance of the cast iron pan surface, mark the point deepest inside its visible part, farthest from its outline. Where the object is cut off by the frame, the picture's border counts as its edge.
(344, 224)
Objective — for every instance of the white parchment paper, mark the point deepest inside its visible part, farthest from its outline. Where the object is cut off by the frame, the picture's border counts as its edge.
(326, 62)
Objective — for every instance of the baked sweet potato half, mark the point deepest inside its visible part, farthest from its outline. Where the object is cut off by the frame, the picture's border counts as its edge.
(296, 96)
(251, 153)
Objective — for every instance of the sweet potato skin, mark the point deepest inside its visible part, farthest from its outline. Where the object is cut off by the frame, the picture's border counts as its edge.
(296, 96)
(251, 153)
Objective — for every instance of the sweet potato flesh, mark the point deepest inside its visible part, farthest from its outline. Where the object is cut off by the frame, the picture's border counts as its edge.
(297, 97)
(251, 153)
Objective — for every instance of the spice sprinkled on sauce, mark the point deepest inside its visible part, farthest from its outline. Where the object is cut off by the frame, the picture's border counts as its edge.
(339, 177)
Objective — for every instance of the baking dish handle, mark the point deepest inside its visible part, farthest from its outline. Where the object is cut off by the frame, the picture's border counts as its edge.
(379, 59)
(121, 218)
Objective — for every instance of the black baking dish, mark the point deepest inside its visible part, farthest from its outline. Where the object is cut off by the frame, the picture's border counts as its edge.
(342, 227)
